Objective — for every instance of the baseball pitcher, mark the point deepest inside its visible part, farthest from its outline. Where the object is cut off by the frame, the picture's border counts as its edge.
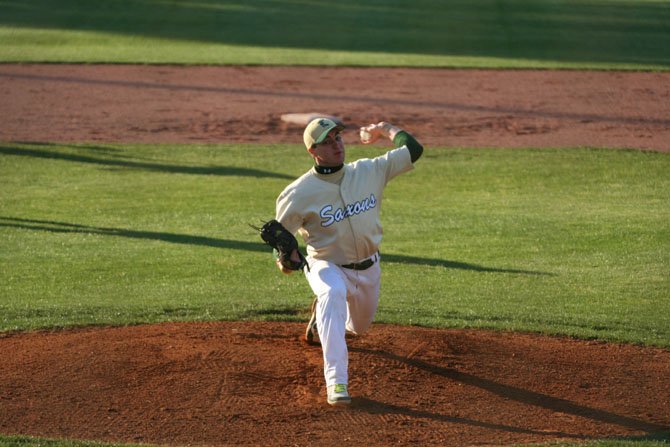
(335, 208)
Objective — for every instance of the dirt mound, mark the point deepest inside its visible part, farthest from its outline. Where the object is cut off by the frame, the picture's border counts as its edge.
(254, 383)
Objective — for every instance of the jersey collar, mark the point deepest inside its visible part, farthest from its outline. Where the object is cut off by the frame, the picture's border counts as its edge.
(327, 169)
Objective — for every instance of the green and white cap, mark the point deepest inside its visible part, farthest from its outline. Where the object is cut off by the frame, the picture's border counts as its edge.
(317, 130)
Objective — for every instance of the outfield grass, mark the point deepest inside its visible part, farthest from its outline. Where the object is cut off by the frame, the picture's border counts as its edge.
(572, 242)
(601, 34)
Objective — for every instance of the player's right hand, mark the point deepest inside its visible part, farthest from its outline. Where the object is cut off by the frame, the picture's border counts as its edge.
(370, 133)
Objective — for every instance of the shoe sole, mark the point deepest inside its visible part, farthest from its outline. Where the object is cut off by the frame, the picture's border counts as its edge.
(340, 402)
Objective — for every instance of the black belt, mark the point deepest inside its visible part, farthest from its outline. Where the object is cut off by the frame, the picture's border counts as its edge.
(363, 265)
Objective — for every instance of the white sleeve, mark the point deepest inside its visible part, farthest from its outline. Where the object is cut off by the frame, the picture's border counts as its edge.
(395, 162)
(286, 213)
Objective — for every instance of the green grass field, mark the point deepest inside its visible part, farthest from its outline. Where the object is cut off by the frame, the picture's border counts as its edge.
(602, 34)
(573, 242)
(569, 242)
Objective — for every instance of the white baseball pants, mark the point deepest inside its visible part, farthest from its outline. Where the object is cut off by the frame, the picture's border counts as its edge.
(346, 301)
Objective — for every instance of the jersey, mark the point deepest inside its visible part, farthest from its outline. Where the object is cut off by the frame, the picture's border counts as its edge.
(340, 221)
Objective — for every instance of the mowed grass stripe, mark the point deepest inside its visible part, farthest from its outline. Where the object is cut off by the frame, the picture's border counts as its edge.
(608, 34)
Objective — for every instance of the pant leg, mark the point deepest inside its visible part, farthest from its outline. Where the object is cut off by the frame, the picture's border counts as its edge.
(363, 297)
(330, 286)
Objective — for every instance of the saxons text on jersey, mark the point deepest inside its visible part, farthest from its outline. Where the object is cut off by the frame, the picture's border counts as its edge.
(331, 216)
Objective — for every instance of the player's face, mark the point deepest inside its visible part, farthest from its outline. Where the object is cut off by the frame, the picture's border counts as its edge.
(331, 151)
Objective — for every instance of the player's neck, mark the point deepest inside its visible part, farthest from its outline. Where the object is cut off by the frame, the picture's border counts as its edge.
(327, 169)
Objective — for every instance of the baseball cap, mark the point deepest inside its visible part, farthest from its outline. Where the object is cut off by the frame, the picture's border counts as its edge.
(317, 130)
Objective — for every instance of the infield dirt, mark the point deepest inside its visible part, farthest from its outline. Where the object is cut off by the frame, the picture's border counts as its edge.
(117, 103)
(253, 383)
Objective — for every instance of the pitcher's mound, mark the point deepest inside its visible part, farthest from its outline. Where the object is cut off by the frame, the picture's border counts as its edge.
(237, 383)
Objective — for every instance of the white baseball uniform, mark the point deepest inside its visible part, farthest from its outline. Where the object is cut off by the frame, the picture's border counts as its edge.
(337, 215)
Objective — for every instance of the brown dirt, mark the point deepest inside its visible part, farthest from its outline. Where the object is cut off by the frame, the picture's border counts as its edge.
(257, 383)
(93, 103)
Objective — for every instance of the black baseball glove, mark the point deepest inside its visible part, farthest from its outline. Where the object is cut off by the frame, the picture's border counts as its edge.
(276, 236)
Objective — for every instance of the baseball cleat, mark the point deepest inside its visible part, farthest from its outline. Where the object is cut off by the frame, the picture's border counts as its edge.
(310, 331)
(338, 395)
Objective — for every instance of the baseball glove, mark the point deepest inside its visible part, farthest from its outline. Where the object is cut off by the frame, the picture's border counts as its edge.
(276, 236)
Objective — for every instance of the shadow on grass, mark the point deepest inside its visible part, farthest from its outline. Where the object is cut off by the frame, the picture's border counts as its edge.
(594, 31)
(404, 259)
(174, 238)
(146, 166)
(274, 313)
(186, 239)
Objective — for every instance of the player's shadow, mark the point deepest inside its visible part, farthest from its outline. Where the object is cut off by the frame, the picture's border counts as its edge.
(376, 407)
(433, 262)
(512, 393)
(273, 311)
(140, 165)
(174, 238)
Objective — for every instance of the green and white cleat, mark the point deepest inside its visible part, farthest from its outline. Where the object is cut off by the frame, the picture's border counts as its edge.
(338, 395)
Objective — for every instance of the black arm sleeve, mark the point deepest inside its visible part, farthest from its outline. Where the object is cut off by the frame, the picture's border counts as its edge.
(403, 138)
